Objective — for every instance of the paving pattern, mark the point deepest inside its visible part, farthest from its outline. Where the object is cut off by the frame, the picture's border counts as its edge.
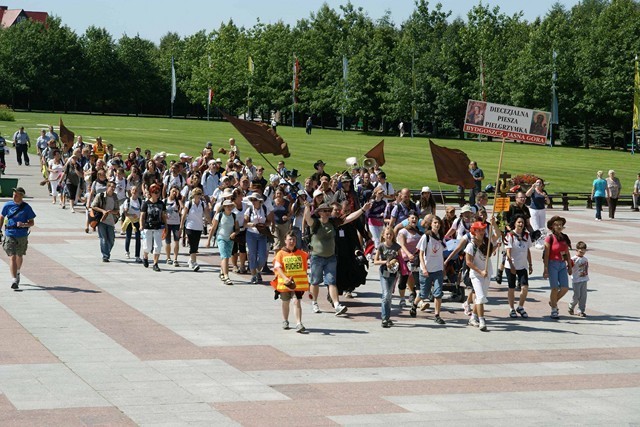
(89, 343)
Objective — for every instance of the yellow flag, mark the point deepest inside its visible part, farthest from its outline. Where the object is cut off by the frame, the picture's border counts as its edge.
(251, 65)
(636, 98)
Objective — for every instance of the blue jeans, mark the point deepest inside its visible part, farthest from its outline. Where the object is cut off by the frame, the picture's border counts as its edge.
(599, 203)
(135, 231)
(257, 248)
(386, 283)
(107, 236)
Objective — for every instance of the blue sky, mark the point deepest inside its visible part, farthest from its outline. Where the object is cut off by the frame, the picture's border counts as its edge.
(154, 18)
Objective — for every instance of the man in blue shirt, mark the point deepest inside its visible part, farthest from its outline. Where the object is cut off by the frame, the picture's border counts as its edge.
(16, 217)
(478, 176)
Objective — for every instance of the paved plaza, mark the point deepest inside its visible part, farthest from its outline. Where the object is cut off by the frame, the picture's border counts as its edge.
(90, 343)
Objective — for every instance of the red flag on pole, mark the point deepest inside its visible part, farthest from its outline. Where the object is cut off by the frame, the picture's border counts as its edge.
(452, 166)
(210, 96)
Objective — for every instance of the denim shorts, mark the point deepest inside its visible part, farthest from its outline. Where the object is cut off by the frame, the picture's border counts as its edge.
(323, 270)
(434, 279)
(558, 276)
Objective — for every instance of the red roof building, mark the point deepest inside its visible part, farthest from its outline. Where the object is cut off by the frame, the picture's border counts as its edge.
(9, 17)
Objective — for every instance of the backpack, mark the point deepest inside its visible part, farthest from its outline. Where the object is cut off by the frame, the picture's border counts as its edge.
(465, 270)
(125, 207)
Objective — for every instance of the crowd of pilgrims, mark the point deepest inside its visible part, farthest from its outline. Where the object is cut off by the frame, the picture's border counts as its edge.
(345, 221)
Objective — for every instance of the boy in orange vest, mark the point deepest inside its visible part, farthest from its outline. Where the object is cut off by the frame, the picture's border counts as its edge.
(290, 268)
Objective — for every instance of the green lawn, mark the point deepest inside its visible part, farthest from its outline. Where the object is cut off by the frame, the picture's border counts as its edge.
(408, 160)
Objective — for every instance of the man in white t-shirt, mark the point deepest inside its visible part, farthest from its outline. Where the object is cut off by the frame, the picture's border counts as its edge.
(387, 188)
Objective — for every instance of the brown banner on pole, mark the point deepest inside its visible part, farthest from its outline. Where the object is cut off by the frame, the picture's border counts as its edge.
(452, 166)
(66, 136)
(260, 136)
(377, 153)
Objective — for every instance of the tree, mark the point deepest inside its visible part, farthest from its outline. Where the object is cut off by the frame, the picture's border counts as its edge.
(139, 76)
(102, 83)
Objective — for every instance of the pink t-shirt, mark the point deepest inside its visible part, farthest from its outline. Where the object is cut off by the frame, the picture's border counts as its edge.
(557, 248)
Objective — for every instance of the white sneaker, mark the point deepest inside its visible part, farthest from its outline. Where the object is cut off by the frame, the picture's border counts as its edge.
(127, 255)
(473, 322)
(189, 264)
(340, 309)
(18, 278)
(483, 324)
(315, 307)
(195, 266)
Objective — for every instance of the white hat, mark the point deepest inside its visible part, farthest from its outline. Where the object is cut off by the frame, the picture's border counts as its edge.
(184, 156)
(466, 208)
(227, 193)
(274, 177)
(227, 203)
(255, 196)
(317, 193)
(211, 162)
(426, 189)
(218, 160)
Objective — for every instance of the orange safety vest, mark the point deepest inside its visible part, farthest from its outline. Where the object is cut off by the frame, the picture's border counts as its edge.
(294, 264)
(98, 151)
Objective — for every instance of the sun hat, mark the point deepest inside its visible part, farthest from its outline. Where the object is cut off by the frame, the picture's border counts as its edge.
(317, 193)
(466, 208)
(425, 189)
(554, 219)
(228, 203)
(324, 207)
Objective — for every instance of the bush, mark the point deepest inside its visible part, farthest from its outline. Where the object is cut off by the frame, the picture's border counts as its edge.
(6, 115)
(522, 182)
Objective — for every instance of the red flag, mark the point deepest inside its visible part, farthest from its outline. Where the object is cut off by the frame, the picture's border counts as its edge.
(377, 153)
(66, 136)
(452, 166)
(260, 136)
(210, 96)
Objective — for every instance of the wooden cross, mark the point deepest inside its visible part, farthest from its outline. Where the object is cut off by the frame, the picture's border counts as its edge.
(503, 184)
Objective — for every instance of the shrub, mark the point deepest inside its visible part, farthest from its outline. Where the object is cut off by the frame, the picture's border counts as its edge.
(522, 182)
(6, 115)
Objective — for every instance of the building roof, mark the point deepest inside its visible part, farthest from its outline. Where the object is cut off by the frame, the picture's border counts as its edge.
(9, 17)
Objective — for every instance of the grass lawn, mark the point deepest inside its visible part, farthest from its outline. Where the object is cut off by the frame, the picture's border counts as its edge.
(408, 164)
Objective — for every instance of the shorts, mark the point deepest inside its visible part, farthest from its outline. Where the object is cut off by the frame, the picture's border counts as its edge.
(240, 243)
(225, 247)
(480, 288)
(323, 270)
(521, 275)
(558, 276)
(70, 190)
(15, 245)
(434, 278)
(172, 230)
(286, 296)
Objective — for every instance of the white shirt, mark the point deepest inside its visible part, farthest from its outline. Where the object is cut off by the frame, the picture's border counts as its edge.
(519, 251)
(195, 215)
(479, 260)
(433, 253)
(387, 188)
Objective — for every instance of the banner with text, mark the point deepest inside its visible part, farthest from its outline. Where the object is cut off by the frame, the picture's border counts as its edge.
(504, 121)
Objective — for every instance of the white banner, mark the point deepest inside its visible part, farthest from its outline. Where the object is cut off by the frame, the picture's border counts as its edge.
(504, 121)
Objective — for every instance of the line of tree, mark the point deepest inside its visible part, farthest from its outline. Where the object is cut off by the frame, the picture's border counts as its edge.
(50, 67)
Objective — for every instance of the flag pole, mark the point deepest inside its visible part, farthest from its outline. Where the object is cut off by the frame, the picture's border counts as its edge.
(493, 209)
